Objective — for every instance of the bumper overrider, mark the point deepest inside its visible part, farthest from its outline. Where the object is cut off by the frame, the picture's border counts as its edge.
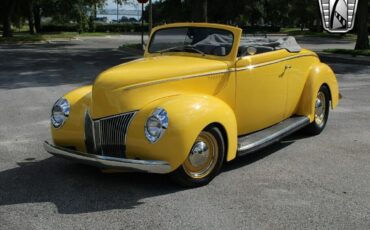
(151, 166)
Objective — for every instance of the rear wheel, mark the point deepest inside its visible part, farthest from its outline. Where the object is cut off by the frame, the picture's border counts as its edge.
(204, 160)
(322, 105)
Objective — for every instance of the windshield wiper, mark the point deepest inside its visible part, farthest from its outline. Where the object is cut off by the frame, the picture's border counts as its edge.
(192, 48)
(171, 49)
(181, 49)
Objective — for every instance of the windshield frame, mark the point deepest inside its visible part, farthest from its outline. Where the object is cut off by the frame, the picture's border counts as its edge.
(148, 51)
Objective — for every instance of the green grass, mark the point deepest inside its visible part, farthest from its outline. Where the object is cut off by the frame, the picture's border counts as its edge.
(350, 52)
(21, 37)
(306, 32)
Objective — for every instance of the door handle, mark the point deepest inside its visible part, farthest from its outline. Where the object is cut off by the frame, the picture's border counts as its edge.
(285, 69)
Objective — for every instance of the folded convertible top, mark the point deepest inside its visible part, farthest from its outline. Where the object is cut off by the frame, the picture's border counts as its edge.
(289, 43)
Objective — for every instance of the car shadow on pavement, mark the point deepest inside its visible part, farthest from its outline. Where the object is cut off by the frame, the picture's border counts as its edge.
(76, 188)
(253, 157)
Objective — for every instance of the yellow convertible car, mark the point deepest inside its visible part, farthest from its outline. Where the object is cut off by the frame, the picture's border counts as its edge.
(202, 94)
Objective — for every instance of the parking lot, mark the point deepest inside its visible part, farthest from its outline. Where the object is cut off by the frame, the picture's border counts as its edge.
(320, 182)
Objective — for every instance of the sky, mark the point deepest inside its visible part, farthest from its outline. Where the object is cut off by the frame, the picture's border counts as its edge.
(128, 6)
(112, 5)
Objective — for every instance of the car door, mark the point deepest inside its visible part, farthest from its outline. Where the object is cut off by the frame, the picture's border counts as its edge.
(261, 91)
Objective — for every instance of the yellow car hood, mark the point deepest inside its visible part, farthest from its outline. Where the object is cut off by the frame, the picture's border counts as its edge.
(109, 94)
(155, 68)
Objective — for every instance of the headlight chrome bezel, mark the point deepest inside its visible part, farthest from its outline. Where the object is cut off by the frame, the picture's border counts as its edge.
(160, 117)
(60, 112)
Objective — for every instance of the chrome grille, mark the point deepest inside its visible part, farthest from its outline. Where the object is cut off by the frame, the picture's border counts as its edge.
(107, 136)
(89, 136)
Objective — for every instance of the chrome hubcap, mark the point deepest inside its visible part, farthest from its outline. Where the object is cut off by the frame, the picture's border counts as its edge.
(320, 109)
(199, 154)
(202, 157)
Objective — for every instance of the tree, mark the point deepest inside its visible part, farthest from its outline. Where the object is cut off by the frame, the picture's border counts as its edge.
(64, 11)
(150, 16)
(37, 16)
(362, 25)
(205, 10)
(6, 9)
(305, 12)
(93, 5)
(196, 10)
(31, 19)
(164, 12)
(275, 12)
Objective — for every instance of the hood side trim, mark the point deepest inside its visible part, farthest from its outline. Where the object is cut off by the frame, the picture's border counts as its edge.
(175, 79)
(216, 72)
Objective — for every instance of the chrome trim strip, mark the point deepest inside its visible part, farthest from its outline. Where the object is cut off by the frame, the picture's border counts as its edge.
(97, 136)
(215, 72)
(93, 133)
(100, 133)
(88, 121)
(273, 62)
(273, 137)
(117, 115)
(85, 137)
(151, 166)
(128, 125)
(176, 79)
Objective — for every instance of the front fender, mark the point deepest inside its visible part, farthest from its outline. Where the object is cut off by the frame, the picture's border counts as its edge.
(188, 116)
(320, 74)
(72, 132)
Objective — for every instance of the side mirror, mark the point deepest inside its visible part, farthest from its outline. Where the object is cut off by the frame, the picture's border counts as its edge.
(251, 50)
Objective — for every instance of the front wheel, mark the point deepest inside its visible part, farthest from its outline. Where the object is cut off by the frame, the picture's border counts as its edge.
(322, 105)
(204, 160)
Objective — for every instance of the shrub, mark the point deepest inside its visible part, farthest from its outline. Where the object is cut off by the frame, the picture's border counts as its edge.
(120, 27)
(263, 29)
(59, 28)
(98, 27)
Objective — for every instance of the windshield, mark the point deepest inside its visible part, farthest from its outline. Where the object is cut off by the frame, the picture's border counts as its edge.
(192, 39)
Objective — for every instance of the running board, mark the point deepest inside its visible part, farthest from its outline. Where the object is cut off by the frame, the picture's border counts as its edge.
(255, 141)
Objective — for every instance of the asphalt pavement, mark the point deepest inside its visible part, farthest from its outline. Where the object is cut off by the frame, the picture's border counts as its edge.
(320, 182)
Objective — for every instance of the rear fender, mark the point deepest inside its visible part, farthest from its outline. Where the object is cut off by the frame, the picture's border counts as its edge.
(320, 74)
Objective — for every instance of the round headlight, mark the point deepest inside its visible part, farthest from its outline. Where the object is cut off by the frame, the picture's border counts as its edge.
(156, 125)
(60, 113)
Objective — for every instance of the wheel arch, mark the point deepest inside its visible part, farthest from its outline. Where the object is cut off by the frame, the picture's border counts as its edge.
(319, 74)
(224, 135)
(327, 86)
(188, 116)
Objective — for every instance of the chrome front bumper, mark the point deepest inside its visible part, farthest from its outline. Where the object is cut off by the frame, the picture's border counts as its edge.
(109, 162)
